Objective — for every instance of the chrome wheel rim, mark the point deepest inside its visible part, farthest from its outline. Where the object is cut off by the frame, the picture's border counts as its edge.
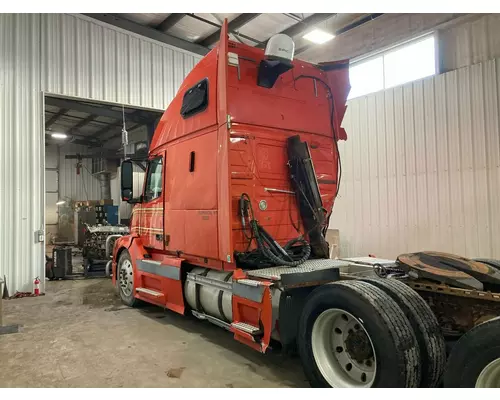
(343, 350)
(490, 375)
(126, 278)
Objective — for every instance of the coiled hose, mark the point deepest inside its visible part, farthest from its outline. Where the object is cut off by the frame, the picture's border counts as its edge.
(290, 255)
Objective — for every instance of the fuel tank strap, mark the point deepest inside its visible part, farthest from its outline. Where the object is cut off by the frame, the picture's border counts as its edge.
(221, 297)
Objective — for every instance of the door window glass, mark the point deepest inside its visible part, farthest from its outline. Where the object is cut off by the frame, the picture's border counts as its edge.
(154, 179)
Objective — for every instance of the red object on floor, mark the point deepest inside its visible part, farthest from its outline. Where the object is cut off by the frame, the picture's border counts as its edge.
(36, 287)
(19, 295)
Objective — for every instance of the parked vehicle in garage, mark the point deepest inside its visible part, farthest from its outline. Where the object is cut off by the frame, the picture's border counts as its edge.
(242, 175)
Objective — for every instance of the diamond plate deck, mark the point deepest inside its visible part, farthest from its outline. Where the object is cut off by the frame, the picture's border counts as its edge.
(242, 326)
(308, 267)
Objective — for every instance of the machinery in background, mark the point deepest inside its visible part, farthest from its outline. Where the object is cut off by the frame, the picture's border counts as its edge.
(95, 221)
(93, 212)
(97, 245)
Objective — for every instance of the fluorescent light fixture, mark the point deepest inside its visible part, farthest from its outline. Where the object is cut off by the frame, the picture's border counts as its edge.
(318, 36)
(60, 202)
(56, 135)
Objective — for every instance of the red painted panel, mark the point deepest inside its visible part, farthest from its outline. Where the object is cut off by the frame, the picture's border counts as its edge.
(292, 104)
(256, 314)
(175, 225)
(201, 233)
(196, 190)
(225, 245)
(258, 158)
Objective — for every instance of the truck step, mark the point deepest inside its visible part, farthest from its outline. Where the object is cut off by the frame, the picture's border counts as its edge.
(252, 330)
(149, 291)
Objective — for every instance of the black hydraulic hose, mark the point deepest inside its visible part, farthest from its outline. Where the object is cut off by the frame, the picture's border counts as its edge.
(339, 162)
(268, 248)
(315, 78)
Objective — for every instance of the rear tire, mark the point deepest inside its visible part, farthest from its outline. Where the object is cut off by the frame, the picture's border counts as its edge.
(475, 358)
(393, 343)
(125, 279)
(424, 324)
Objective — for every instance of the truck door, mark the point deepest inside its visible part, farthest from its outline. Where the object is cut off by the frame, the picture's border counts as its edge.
(151, 220)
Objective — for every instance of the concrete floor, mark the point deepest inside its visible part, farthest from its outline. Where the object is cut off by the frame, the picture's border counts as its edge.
(79, 335)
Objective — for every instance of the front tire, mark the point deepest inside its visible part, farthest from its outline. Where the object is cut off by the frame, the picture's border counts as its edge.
(125, 279)
(379, 348)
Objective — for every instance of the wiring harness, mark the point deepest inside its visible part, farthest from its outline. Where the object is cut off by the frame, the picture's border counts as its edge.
(268, 252)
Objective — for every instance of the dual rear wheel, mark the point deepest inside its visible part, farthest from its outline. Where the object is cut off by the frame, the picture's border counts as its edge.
(373, 333)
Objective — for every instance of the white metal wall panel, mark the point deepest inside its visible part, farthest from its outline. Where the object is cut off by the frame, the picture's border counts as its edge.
(68, 55)
(421, 167)
(90, 60)
(51, 181)
(51, 190)
(51, 216)
(21, 164)
(470, 42)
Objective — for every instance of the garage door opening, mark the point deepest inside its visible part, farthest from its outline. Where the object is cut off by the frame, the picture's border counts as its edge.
(84, 145)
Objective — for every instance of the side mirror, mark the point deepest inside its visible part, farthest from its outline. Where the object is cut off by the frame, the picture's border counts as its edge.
(127, 181)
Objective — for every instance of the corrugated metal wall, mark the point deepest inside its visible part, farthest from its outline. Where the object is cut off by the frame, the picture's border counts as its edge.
(83, 58)
(21, 161)
(470, 42)
(73, 56)
(421, 167)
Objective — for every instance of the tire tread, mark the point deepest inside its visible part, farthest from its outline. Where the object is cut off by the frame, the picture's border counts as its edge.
(397, 324)
(425, 325)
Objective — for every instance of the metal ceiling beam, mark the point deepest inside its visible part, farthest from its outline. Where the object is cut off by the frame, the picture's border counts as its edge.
(148, 32)
(73, 117)
(344, 29)
(98, 135)
(304, 25)
(234, 25)
(92, 109)
(169, 22)
(101, 153)
(293, 16)
(55, 117)
(83, 122)
(76, 139)
(219, 26)
(102, 131)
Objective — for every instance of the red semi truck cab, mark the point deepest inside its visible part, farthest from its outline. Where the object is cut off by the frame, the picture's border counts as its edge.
(224, 134)
(242, 175)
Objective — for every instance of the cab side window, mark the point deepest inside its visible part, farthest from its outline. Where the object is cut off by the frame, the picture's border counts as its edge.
(195, 99)
(154, 179)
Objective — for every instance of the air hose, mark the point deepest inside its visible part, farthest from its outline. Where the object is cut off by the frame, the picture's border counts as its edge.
(268, 251)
